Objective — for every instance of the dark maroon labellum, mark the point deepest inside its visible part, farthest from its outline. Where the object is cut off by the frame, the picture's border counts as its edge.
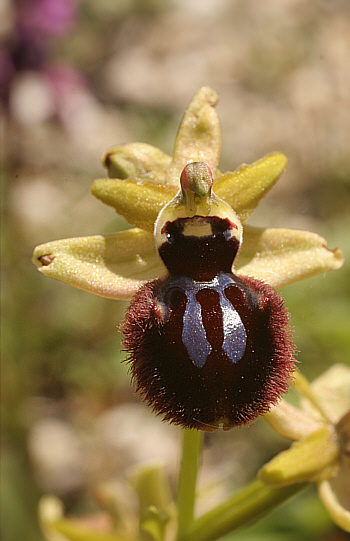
(207, 347)
(200, 258)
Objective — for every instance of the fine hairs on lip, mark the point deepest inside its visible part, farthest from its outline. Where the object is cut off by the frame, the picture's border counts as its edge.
(206, 347)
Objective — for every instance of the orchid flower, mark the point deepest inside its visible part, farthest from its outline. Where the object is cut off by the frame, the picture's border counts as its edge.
(321, 431)
(143, 187)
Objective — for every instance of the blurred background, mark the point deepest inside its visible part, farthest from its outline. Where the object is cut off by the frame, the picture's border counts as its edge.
(79, 76)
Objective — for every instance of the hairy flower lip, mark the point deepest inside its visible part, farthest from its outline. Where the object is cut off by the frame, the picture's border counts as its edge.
(196, 391)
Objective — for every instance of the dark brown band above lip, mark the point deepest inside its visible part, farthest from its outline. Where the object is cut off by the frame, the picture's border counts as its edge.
(199, 258)
(218, 224)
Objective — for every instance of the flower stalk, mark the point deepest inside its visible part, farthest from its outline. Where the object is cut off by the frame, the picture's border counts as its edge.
(246, 506)
(191, 452)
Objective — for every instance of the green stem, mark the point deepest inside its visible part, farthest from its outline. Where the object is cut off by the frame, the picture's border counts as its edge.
(251, 503)
(186, 496)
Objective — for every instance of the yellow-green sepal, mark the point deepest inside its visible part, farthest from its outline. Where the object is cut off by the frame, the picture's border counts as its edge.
(199, 136)
(115, 266)
(283, 256)
(139, 161)
(112, 266)
(139, 202)
(307, 460)
(245, 187)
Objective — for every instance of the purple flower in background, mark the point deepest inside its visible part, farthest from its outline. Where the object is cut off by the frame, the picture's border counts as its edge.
(28, 44)
(7, 72)
(45, 16)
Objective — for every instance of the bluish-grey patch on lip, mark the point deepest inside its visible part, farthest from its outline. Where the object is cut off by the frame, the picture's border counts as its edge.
(193, 333)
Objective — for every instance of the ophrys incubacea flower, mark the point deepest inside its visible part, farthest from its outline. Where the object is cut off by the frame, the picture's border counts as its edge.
(117, 265)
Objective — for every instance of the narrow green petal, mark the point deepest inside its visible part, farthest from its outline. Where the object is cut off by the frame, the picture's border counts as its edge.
(199, 135)
(112, 266)
(283, 256)
(139, 202)
(307, 460)
(138, 161)
(304, 389)
(244, 188)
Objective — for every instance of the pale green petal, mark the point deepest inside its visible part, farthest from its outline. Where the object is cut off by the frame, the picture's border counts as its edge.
(290, 422)
(283, 256)
(245, 187)
(335, 496)
(138, 161)
(139, 202)
(304, 389)
(112, 266)
(332, 389)
(310, 459)
(199, 135)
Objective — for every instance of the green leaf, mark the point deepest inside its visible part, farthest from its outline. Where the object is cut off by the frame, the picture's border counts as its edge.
(305, 461)
(138, 161)
(139, 203)
(112, 266)
(245, 187)
(283, 256)
(199, 136)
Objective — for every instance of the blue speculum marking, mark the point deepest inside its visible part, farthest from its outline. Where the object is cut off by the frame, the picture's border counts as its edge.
(193, 334)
